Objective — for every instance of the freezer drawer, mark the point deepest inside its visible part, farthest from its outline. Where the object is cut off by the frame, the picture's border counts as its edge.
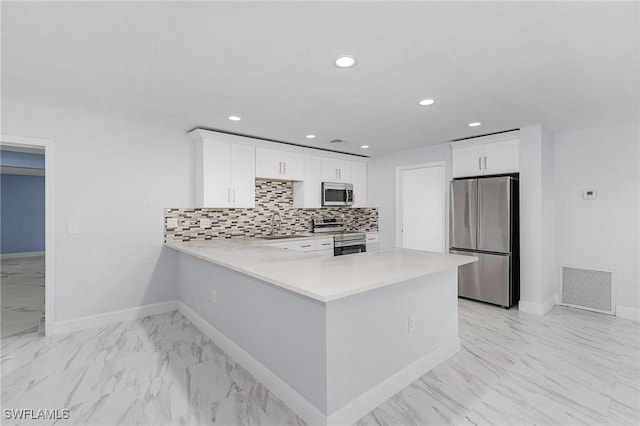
(487, 279)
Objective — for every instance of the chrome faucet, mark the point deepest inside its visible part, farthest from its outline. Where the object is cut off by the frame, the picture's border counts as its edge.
(275, 220)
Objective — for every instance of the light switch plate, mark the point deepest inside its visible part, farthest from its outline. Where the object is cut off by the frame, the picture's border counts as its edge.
(205, 223)
(589, 194)
(172, 222)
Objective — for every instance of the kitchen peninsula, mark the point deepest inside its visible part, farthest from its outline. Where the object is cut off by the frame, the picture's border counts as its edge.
(333, 337)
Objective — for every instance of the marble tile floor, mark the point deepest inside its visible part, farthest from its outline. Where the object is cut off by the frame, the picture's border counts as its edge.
(21, 295)
(569, 367)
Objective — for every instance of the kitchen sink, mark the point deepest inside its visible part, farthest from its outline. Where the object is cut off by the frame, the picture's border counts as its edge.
(282, 237)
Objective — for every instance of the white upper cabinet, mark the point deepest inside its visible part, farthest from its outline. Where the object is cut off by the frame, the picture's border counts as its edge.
(467, 161)
(488, 155)
(308, 192)
(280, 165)
(502, 157)
(334, 170)
(243, 176)
(359, 181)
(224, 174)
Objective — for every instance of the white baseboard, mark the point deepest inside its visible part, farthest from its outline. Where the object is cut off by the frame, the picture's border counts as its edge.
(20, 255)
(628, 313)
(537, 308)
(359, 407)
(98, 320)
(296, 402)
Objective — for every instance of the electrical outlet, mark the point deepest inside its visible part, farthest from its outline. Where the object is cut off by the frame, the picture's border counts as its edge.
(214, 296)
(172, 222)
(205, 223)
(412, 323)
(72, 228)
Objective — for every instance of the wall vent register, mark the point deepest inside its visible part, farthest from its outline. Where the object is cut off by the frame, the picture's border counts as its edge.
(588, 289)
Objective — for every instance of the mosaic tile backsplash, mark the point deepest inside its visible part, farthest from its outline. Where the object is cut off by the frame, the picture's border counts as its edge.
(270, 196)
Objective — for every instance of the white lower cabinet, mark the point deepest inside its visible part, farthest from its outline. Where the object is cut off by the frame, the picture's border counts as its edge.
(323, 246)
(372, 241)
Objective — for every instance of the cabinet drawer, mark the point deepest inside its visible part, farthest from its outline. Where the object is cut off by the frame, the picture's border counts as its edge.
(324, 244)
(372, 238)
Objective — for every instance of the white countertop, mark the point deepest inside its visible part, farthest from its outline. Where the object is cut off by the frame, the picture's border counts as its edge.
(320, 277)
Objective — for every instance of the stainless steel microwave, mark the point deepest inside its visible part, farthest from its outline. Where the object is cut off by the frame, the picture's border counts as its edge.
(337, 194)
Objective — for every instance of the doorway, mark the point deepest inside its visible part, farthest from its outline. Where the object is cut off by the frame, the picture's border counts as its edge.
(421, 207)
(26, 280)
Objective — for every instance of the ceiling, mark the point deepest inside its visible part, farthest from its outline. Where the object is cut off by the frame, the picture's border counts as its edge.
(567, 65)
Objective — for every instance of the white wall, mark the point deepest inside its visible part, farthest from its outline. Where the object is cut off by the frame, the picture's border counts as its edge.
(381, 184)
(113, 178)
(603, 233)
(538, 270)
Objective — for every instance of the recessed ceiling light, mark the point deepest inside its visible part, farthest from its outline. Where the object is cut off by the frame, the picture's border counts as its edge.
(426, 102)
(345, 62)
(234, 118)
(310, 136)
(364, 146)
(475, 124)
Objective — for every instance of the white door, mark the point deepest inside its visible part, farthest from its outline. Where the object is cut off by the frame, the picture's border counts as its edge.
(421, 212)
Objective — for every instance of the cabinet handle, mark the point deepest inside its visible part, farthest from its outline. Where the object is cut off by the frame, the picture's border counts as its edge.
(485, 163)
(228, 195)
(285, 167)
(325, 244)
(234, 195)
(479, 163)
(279, 167)
(308, 245)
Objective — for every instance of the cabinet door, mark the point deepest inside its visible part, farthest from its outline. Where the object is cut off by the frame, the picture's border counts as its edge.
(334, 170)
(269, 164)
(467, 161)
(307, 194)
(213, 186)
(501, 157)
(293, 166)
(359, 180)
(243, 176)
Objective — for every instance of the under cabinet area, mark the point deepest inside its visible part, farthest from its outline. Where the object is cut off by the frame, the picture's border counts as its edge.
(277, 164)
(487, 155)
(224, 174)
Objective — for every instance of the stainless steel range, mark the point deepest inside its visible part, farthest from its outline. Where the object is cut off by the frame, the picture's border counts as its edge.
(343, 242)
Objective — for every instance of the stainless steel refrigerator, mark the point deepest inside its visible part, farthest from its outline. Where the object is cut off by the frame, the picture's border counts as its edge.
(484, 223)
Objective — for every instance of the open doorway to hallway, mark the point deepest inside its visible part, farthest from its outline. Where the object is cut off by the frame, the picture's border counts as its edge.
(22, 240)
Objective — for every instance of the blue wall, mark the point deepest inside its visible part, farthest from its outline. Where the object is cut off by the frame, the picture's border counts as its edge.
(21, 159)
(22, 213)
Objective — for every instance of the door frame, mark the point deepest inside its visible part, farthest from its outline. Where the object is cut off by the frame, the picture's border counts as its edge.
(399, 171)
(47, 146)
